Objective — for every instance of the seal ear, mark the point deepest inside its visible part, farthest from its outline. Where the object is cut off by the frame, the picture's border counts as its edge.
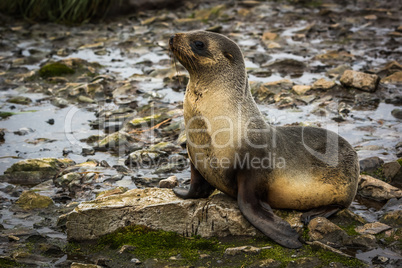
(228, 56)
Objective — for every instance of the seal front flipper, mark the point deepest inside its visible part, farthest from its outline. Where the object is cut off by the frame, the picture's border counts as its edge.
(260, 214)
(199, 187)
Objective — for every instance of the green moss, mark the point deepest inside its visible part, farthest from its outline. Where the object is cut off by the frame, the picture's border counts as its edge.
(5, 263)
(5, 114)
(350, 229)
(149, 243)
(399, 161)
(55, 69)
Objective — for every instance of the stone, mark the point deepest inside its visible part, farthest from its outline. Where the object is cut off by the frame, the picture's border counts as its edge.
(395, 78)
(397, 113)
(169, 183)
(34, 171)
(334, 55)
(146, 158)
(167, 147)
(323, 84)
(366, 101)
(301, 89)
(360, 80)
(375, 189)
(269, 36)
(324, 231)
(158, 209)
(19, 100)
(393, 218)
(31, 200)
(305, 262)
(391, 169)
(84, 265)
(126, 249)
(372, 228)
(266, 263)
(116, 141)
(370, 164)
(338, 71)
(320, 245)
(366, 241)
(242, 250)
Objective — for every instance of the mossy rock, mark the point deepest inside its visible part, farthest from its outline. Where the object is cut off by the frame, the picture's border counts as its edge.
(31, 200)
(55, 69)
(34, 171)
(19, 100)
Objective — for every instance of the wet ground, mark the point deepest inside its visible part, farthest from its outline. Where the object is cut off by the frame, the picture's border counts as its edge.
(300, 42)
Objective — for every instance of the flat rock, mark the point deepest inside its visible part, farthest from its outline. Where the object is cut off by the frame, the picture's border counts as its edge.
(375, 189)
(34, 171)
(156, 208)
(372, 228)
(360, 80)
(326, 232)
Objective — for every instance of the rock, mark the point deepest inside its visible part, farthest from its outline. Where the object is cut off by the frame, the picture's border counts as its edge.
(242, 250)
(117, 141)
(151, 120)
(126, 249)
(31, 200)
(118, 190)
(366, 241)
(167, 147)
(301, 89)
(338, 71)
(169, 183)
(265, 92)
(88, 151)
(60, 102)
(269, 36)
(158, 209)
(334, 55)
(305, 262)
(291, 67)
(372, 188)
(391, 170)
(319, 245)
(23, 131)
(323, 84)
(398, 149)
(323, 230)
(397, 113)
(84, 265)
(146, 158)
(372, 228)
(19, 100)
(67, 179)
(359, 80)
(370, 164)
(395, 78)
(393, 218)
(366, 101)
(55, 69)
(34, 171)
(266, 263)
(84, 99)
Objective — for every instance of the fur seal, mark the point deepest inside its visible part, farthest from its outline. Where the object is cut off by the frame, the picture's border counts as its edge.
(234, 150)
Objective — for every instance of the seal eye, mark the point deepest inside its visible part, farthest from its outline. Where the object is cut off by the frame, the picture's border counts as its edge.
(199, 44)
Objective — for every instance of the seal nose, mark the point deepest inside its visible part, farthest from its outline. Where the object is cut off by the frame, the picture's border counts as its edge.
(171, 40)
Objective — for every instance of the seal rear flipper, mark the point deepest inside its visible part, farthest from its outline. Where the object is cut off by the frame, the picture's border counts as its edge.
(261, 216)
(199, 187)
(325, 211)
